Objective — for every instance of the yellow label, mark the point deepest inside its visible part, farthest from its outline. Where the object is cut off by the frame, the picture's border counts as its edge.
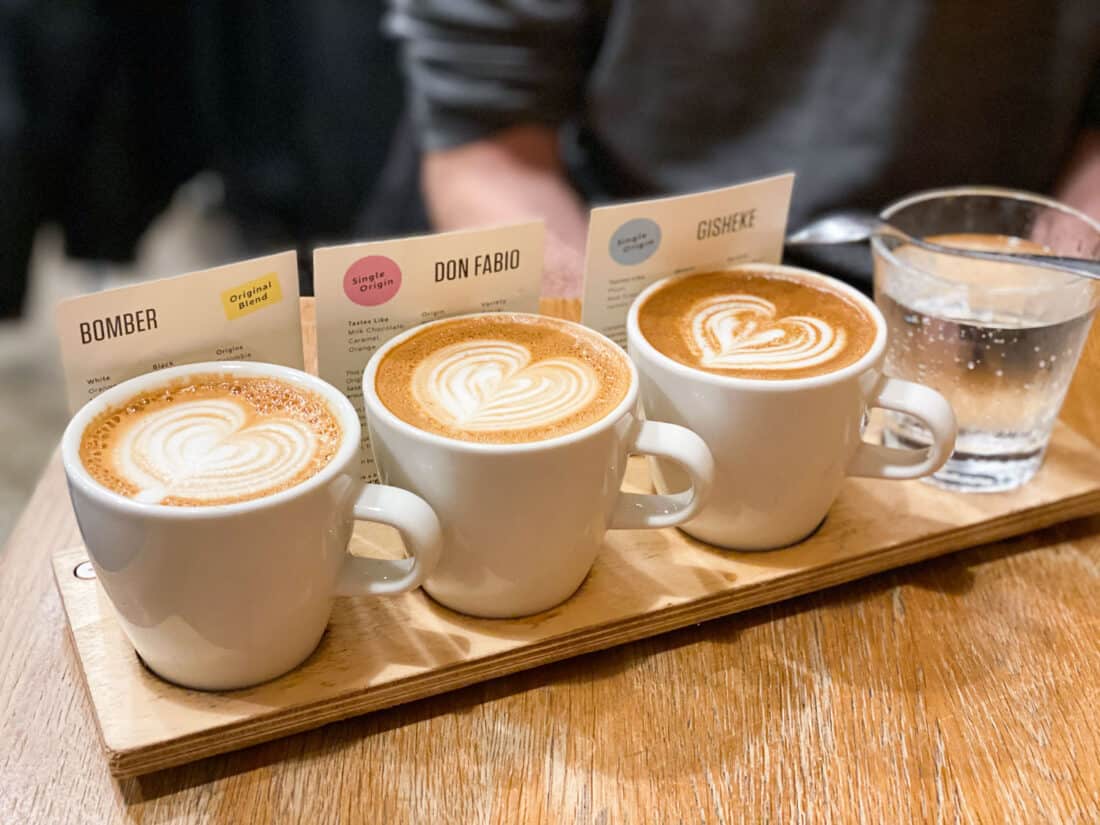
(251, 296)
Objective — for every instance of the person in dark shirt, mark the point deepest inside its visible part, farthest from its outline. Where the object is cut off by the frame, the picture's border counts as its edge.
(542, 107)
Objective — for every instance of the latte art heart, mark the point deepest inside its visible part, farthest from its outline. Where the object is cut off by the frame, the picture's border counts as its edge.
(490, 385)
(205, 450)
(742, 332)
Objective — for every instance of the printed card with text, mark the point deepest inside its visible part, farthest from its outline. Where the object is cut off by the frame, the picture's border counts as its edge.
(247, 311)
(369, 292)
(632, 245)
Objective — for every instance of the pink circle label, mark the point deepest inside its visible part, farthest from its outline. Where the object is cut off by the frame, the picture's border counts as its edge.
(372, 280)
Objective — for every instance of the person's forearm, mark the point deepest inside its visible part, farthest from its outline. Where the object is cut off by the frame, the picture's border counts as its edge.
(513, 175)
(1080, 183)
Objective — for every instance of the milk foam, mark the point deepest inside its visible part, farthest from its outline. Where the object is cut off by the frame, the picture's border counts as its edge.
(486, 385)
(742, 332)
(202, 450)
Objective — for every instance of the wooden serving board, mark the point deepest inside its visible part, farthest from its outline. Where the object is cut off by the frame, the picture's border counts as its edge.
(380, 652)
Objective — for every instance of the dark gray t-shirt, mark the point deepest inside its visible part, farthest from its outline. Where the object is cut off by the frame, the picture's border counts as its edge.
(867, 100)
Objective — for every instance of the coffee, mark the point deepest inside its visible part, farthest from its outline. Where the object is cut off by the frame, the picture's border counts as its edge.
(503, 378)
(752, 324)
(990, 243)
(211, 439)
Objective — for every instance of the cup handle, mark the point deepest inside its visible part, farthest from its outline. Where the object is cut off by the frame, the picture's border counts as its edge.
(634, 511)
(924, 404)
(420, 530)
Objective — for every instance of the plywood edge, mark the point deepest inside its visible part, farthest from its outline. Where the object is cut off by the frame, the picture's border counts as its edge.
(60, 562)
(279, 723)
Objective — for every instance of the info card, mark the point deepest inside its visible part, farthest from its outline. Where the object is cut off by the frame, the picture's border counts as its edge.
(247, 311)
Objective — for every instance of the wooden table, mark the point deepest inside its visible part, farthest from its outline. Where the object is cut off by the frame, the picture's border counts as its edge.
(963, 689)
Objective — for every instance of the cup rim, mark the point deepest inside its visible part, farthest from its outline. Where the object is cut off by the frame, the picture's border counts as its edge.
(865, 362)
(375, 408)
(891, 209)
(78, 476)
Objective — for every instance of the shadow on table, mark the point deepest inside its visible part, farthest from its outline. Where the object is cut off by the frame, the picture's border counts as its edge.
(950, 575)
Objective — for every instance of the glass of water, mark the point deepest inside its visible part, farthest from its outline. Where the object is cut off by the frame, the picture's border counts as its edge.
(999, 341)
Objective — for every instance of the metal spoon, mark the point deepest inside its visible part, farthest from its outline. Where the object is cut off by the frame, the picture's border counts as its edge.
(854, 227)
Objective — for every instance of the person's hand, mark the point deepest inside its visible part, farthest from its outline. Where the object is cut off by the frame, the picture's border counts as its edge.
(1079, 186)
(563, 269)
(510, 176)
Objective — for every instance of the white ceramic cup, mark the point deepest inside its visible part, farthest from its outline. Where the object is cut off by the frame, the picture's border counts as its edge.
(523, 523)
(782, 448)
(230, 595)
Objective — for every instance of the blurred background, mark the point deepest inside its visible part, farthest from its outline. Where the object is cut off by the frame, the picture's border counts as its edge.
(140, 141)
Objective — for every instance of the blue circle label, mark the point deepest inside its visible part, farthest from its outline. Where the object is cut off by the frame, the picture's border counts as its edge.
(635, 241)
